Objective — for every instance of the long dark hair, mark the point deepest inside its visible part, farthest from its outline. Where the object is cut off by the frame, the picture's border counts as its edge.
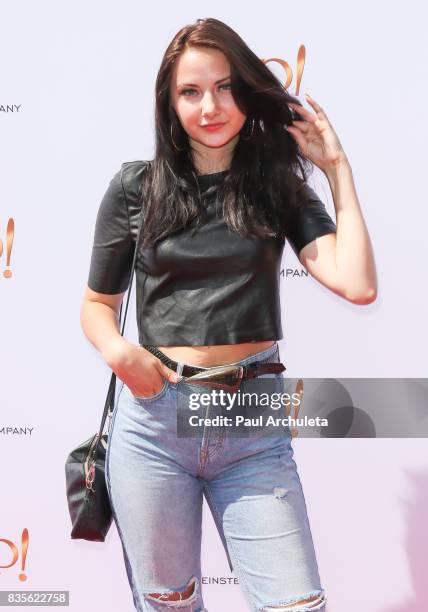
(261, 188)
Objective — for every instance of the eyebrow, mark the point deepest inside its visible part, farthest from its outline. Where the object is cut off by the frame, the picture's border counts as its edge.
(193, 84)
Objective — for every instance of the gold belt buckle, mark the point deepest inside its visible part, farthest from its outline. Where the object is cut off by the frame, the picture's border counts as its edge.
(211, 375)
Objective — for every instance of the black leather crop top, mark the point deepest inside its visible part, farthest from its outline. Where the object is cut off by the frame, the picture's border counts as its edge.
(213, 287)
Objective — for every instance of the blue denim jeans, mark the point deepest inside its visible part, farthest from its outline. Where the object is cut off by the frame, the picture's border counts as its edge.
(156, 482)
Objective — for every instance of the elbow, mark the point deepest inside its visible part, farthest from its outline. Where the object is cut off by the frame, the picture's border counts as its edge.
(82, 319)
(362, 298)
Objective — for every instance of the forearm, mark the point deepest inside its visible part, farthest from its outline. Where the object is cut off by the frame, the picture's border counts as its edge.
(101, 326)
(355, 265)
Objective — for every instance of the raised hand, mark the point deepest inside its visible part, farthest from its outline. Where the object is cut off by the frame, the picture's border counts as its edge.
(316, 137)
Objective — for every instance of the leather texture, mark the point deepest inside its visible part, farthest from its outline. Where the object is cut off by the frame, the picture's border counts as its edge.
(89, 508)
(208, 287)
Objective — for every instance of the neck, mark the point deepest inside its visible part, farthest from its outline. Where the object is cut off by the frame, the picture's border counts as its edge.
(208, 160)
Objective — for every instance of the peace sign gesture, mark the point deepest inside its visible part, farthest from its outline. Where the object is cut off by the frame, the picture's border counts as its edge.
(315, 136)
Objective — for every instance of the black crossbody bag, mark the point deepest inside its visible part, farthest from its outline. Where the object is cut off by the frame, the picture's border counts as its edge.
(86, 488)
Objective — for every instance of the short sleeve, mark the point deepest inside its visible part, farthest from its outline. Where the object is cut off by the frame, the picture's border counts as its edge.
(113, 245)
(309, 221)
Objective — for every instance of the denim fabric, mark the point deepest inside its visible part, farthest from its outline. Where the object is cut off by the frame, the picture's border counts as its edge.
(156, 483)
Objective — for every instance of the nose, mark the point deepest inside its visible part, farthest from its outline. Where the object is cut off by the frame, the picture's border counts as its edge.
(209, 105)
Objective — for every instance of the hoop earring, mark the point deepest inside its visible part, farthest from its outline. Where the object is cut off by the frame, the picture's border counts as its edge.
(251, 133)
(172, 140)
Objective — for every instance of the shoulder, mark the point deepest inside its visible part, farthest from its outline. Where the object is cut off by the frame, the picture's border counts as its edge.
(122, 194)
(131, 175)
(305, 193)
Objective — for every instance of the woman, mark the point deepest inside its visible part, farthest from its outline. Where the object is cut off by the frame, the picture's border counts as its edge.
(218, 200)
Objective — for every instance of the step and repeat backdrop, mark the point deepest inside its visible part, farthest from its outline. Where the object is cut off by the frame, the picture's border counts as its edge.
(76, 101)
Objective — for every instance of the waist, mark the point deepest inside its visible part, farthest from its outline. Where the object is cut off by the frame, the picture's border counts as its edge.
(210, 356)
(262, 362)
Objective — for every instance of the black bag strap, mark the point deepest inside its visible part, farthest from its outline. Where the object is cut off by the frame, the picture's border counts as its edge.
(109, 403)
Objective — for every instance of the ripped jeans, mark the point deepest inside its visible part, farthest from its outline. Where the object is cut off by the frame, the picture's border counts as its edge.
(156, 481)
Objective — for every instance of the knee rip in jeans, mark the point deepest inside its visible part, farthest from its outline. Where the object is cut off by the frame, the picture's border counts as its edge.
(177, 599)
(314, 601)
(279, 492)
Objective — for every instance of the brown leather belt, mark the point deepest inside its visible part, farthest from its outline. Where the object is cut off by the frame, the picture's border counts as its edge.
(229, 376)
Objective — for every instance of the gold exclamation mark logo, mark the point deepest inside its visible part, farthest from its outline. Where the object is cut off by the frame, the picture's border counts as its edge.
(24, 542)
(10, 232)
(301, 54)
